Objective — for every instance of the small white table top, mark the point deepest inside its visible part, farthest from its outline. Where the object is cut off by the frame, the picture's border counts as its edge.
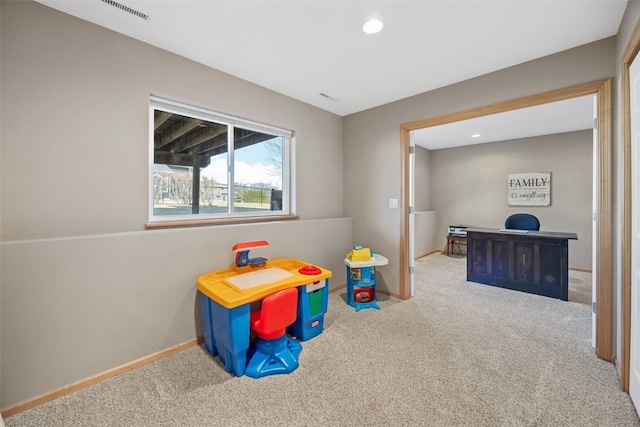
(375, 261)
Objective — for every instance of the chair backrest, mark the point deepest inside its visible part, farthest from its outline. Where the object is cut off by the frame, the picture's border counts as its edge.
(522, 221)
(278, 311)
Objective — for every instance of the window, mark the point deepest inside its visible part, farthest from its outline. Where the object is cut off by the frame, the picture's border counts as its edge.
(207, 166)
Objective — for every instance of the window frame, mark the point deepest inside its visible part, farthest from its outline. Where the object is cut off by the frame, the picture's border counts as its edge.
(232, 122)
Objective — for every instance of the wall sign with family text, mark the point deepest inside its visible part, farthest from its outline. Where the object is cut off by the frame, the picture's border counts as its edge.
(529, 189)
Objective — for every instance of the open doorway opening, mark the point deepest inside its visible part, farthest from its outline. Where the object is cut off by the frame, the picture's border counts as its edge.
(461, 171)
(602, 236)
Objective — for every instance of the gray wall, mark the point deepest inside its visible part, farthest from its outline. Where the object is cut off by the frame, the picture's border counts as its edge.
(76, 116)
(372, 137)
(468, 186)
(426, 237)
(84, 287)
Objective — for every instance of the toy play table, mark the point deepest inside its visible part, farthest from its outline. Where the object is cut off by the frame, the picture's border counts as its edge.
(361, 282)
(226, 297)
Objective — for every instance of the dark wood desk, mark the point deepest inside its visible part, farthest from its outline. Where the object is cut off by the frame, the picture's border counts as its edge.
(534, 262)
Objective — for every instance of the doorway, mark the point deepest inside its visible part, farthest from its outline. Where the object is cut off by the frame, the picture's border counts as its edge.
(602, 241)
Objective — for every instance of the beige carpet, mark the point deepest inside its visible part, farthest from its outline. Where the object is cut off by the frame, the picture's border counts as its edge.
(580, 284)
(457, 354)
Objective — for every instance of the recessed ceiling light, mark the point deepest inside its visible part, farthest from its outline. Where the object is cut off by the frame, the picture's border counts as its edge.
(372, 26)
(475, 135)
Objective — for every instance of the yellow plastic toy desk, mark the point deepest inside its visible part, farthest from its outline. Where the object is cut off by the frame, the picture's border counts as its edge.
(224, 287)
(226, 297)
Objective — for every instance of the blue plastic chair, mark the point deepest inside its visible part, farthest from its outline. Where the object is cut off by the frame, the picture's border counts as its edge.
(522, 221)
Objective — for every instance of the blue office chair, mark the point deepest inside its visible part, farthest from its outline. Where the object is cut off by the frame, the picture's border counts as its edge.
(522, 221)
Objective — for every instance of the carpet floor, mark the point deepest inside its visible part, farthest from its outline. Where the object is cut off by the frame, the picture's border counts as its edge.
(456, 354)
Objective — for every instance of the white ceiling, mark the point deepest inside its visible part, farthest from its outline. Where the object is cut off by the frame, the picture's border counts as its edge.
(304, 48)
(547, 119)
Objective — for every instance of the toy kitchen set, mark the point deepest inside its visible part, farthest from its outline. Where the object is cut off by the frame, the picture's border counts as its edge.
(361, 277)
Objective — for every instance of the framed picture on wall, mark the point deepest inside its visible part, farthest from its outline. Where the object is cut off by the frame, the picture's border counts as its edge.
(529, 189)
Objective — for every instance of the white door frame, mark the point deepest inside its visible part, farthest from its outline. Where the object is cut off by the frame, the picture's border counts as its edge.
(594, 226)
(412, 216)
(634, 124)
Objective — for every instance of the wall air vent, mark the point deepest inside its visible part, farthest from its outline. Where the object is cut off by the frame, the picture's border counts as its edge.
(127, 9)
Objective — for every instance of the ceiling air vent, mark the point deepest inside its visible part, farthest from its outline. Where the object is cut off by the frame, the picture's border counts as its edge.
(329, 97)
(126, 9)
